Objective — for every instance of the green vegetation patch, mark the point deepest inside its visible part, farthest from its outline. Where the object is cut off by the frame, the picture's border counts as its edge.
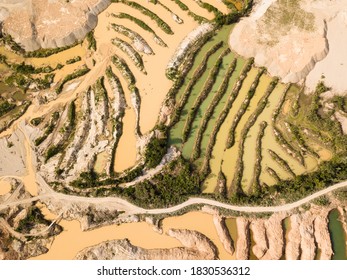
(161, 24)
(6, 107)
(78, 73)
(91, 41)
(155, 151)
(32, 219)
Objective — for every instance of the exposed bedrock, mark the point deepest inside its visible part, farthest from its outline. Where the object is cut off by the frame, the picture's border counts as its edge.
(243, 239)
(38, 24)
(274, 232)
(224, 234)
(259, 236)
(292, 251)
(308, 246)
(322, 235)
(195, 246)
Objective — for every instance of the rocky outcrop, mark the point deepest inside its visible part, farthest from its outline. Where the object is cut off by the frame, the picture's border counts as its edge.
(38, 24)
(88, 214)
(308, 246)
(80, 154)
(322, 235)
(274, 232)
(259, 236)
(223, 233)
(191, 39)
(287, 37)
(293, 251)
(243, 239)
(196, 246)
(139, 42)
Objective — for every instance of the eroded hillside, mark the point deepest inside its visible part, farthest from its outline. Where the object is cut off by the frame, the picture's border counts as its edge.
(152, 114)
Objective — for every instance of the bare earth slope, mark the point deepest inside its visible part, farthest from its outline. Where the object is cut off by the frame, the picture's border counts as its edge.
(291, 38)
(38, 24)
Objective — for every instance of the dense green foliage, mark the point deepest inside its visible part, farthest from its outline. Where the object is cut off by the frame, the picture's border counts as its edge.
(34, 217)
(49, 129)
(6, 107)
(52, 151)
(91, 179)
(73, 60)
(155, 151)
(36, 121)
(174, 185)
(91, 41)
(168, 188)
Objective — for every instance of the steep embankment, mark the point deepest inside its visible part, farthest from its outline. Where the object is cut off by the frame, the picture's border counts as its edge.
(49, 24)
(196, 246)
(290, 37)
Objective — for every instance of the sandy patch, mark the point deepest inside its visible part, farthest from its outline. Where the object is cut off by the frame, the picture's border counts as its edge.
(100, 163)
(139, 234)
(203, 223)
(342, 120)
(126, 149)
(61, 57)
(72, 86)
(153, 86)
(290, 37)
(5, 187)
(336, 61)
(13, 155)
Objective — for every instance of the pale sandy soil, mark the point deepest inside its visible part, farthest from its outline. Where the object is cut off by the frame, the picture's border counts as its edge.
(148, 238)
(126, 149)
(335, 62)
(139, 234)
(201, 222)
(343, 121)
(295, 51)
(152, 90)
(61, 57)
(100, 162)
(29, 180)
(49, 24)
(5, 187)
(17, 161)
(153, 86)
